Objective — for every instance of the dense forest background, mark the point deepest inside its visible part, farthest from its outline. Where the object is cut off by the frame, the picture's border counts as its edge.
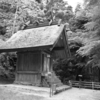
(83, 33)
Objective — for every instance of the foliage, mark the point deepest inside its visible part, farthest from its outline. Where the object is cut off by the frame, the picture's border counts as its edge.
(84, 42)
(71, 68)
(80, 18)
(14, 14)
(61, 69)
(58, 9)
(8, 64)
(91, 2)
(92, 28)
(78, 8)
(78, 23)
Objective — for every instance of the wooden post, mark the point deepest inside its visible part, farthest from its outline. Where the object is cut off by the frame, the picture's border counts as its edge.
(70, 84)
(93, 85)
(79, 83)
(54, 88)
(51, 85)
(51, 90)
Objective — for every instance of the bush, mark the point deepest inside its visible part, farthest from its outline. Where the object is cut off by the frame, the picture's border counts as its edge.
(8, 65)
(63, 69)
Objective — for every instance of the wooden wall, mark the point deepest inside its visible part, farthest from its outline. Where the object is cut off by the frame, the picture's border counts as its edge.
(61, 49)
(29, 68)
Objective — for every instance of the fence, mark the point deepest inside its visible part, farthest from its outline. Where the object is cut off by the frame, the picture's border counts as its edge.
(85, 84)
(79, 84)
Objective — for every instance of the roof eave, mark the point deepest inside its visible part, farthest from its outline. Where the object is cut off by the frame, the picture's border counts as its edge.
(26, 49)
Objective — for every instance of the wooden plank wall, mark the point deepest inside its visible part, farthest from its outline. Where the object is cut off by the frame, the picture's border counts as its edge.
(63, 53)
(59, 54)
(28, 68)
(28, 78)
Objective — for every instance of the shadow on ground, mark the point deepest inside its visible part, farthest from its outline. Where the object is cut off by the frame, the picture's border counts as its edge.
(4, 80)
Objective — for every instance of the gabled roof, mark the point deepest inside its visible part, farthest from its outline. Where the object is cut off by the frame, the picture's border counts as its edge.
(36, 37)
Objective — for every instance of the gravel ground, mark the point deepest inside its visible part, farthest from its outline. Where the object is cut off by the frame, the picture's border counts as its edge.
(7, 94)
(78, 94)
(13, 92)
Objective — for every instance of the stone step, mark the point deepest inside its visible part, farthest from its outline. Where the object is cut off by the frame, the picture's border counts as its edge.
(54, 80)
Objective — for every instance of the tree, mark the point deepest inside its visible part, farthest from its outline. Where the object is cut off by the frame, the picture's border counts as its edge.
(16, 13)
(86, 24)
(78, 8)
(57, 9)
(91, 47)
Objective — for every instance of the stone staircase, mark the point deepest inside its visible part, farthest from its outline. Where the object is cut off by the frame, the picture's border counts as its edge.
(48, 81)
(55, 84)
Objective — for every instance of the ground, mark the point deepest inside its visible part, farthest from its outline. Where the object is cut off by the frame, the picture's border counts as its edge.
(79, 94)
(19, 92)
